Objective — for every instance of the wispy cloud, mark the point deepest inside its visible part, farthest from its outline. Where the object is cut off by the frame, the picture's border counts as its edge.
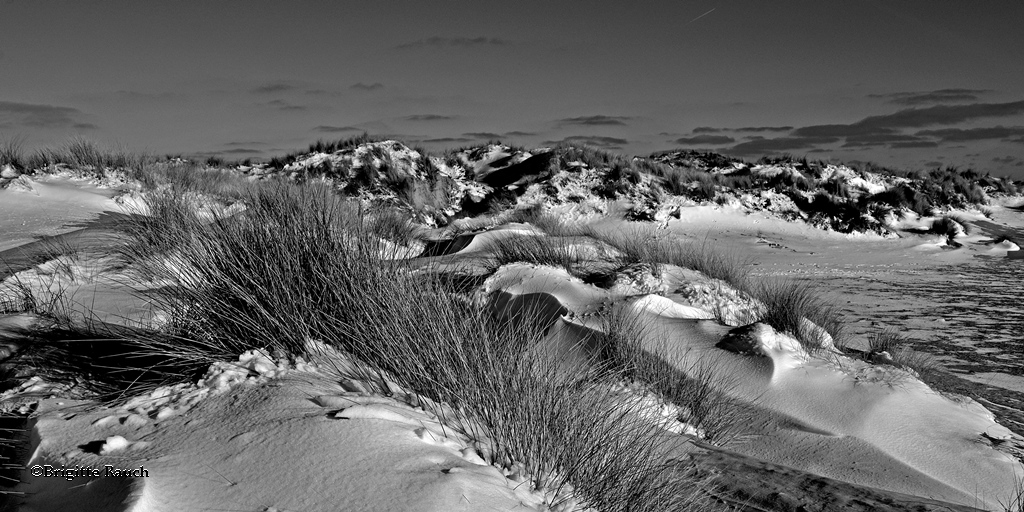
(41, 116)
(482, 135)
(519, 134)
(597, 120)
(376, 86)
(969, 134)
(937, 96)
(711, 140)
(336, 129)
(914, 144)
(592, 140)
(763, 129)
(428, 117)
(882, 139)
(745, 129)
(448, 140)
(448, 42)
(914, 118)
(760, 146)
(272, 87)
(282, 105)
(248, 143)
(1007, 160)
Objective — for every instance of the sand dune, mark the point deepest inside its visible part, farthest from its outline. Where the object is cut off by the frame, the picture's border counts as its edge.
(265, 434)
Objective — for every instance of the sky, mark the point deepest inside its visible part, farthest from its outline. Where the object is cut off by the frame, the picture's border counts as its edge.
(907, 84)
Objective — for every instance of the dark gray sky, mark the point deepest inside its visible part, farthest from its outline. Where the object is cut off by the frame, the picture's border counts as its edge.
(907, 83)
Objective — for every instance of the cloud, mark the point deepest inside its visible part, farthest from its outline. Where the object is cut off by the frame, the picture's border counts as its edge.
(282, 105)
(709, 129)
(367, 87)
(336, 129)
(250, 143)
(959, 134)
(241, 151)
(705, 139)
(482, 135)
(1006, 159)
(446, 42)
(519, 134)
(446, 140)
(937, 96)
(40, 116)
(761, 146)
(763, 129)
(918, 144)
(913, 118)
(883, 139)
(272, 87)
(428, 117)
(597, 120)
(592, 140)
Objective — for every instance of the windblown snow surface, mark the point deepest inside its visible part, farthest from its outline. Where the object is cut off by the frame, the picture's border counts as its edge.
(260, 433)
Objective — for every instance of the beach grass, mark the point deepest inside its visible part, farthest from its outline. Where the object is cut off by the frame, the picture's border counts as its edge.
(900, 351)
(303, 264)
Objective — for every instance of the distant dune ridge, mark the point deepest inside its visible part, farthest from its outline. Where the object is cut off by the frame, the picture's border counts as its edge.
(367, 326)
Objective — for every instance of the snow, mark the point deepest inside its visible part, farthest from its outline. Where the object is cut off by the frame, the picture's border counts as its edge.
(263, 432)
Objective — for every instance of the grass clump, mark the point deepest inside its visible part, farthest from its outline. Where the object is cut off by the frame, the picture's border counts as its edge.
(11, 153)
(696, 388)
(950, 226)
(650, 247)
(557, 252)
(191, 177)
(798, 308)
(897, 346)
(86, 155)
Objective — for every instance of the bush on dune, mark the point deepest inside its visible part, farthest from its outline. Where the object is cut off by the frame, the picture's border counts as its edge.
(950, 226)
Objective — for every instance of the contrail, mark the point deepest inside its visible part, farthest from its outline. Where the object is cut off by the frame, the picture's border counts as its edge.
(702, 15)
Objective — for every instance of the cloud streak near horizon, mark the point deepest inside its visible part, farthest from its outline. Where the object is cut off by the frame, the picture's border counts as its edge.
(14, 114)
(914, 118)
(595, 120)
(937, 96)
(880, 131)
